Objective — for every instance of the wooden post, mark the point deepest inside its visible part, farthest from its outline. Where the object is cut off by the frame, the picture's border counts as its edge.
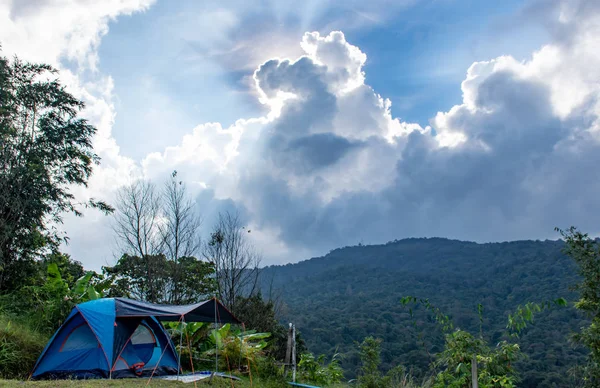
(475, 383)
(294, 353)
(288, 351)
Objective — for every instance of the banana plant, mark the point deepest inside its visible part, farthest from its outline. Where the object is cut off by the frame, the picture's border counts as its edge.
(86, 289)
(195, 333)
(234, 347)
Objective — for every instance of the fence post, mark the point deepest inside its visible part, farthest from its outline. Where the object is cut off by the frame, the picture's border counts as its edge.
(294, 353)
(475, 383)
(288, 351)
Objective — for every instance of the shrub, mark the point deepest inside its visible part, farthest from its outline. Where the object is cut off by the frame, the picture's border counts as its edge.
(370, 376)
(268, 368)
(20, 346)
(316, 371)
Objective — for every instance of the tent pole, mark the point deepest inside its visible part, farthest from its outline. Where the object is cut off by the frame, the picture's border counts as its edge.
(216, 342)
(179, 352)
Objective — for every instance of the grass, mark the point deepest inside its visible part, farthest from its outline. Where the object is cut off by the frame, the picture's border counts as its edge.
(220, 383)
(19, 347)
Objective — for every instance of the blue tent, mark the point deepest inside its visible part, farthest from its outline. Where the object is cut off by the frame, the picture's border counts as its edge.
(119, 337)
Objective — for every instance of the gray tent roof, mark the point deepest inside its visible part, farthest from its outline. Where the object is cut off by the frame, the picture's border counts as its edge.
(197, 312)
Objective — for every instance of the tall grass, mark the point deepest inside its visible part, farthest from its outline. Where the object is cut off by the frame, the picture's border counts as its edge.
(20, 346)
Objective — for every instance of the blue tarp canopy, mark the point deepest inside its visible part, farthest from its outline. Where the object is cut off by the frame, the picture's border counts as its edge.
(208, 311)
(119, 337)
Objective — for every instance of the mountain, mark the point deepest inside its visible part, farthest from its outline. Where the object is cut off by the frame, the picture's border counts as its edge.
(354, 292)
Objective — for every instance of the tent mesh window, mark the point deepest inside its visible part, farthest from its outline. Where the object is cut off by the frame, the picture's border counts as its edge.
(144, 343)
(80, 338)
(143, 336)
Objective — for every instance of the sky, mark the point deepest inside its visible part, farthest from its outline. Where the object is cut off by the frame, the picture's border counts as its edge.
(328, 123)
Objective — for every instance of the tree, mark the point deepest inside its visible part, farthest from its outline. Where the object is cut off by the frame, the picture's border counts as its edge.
(586, 253)
(370, 375)
(179, 231)
(159, 236)
(128, 277)
(46, 151)
(236, 262)
(70, 270)
(136, 220)
(260, 314)
(463, 352)
(370, 356)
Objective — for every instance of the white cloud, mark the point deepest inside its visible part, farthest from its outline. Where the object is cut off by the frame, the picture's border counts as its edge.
(329, 165)
(66, 32)
(335, 167)
(46, 30)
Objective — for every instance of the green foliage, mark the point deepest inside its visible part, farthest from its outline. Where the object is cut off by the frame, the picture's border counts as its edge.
(20, 347)
(151, 278)
(240, 349)
(70, 270)
(495, 365)
(235, 348)
(523, 315)
(259, 314)
(318, 371)
(370, 357)
(370, 375)
(47, 304)
(353, 293)
(586, 254)
(46, 151)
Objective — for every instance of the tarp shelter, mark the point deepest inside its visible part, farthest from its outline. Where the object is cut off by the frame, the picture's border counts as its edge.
(119, 337)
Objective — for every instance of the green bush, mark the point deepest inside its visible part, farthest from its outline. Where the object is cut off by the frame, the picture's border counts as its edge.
(20, 346)
(268, 368)
(370, 375)
(316, 371)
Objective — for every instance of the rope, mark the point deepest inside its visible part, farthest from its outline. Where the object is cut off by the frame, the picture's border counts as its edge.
(216, 342)
(247, 359)
(161, 355)
(187, 339)
(226, 357)
(179, 352)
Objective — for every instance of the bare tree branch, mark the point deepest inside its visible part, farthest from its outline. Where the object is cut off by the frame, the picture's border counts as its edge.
(180, 228)
(136, 224)
(236, 262)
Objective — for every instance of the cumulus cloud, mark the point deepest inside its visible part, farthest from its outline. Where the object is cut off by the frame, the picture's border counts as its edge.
(329, 165)
(46, 30)
(66, 35)
(268, 29)
(333, 167)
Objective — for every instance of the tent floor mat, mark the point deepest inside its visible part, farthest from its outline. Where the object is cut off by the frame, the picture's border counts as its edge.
(191, 377)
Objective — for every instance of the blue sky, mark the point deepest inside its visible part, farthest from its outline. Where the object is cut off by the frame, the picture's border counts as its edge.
(328, 123)
(162, 59)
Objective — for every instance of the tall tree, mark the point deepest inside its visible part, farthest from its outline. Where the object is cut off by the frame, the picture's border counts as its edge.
(46, 151)
(136, 219)
(236, 262)
(192, 278)
(159, 235)
(179, 230)
(585, 251)
(136, 227)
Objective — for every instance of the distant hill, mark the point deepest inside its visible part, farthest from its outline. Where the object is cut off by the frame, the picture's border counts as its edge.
(354, 292)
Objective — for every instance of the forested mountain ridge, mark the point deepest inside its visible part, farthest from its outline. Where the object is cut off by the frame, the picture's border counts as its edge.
(354, 292)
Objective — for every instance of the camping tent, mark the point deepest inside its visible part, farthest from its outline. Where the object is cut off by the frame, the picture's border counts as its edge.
(118, 337)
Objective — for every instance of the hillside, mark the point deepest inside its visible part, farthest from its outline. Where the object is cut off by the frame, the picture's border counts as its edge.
(354, 292)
